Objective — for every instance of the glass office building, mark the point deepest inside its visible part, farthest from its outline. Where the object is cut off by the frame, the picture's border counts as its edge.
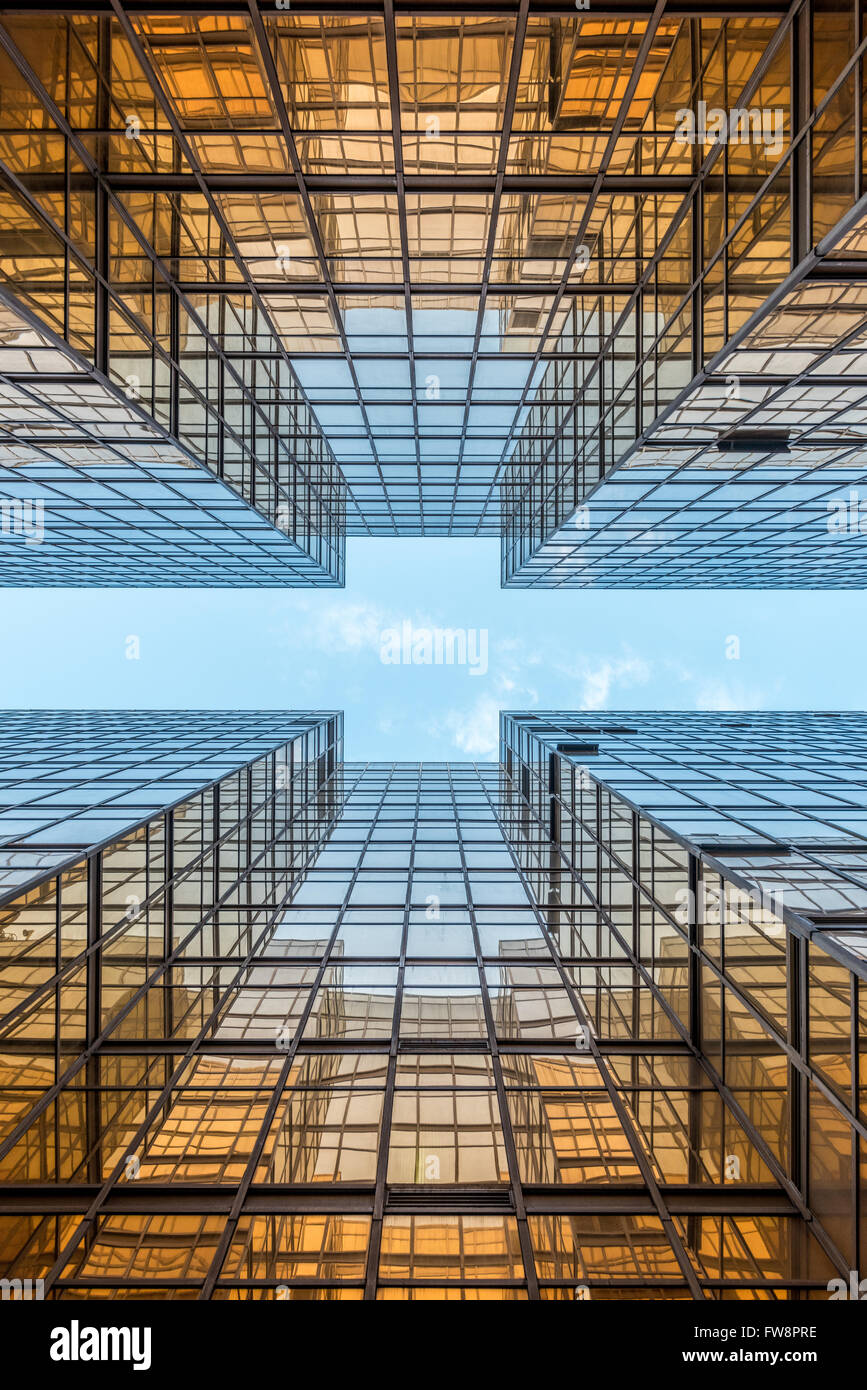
(704, 425)
(592, 281)
(587, 1023)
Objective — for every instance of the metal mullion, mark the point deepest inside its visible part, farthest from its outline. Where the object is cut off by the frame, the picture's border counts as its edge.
(397, 142)
(426, 289)
(857, 1140)
(67, 197)
(383, 182)
(58, 956)
(322, 33)
(858, 120)
(859, 1148)
(315, 8)
(101, 232)
(375, 1242)
(518, 37)
(499, 1083)
(93, 1003)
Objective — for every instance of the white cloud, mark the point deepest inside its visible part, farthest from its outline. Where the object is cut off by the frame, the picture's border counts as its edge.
(678, 671)
(474, 731)
(724, 695)
(513, 695)
(350, 627)
(598, 681)
(336, 626)
(333, 625)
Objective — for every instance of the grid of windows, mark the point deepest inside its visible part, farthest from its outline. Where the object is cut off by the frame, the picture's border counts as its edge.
(117, 354)
(469, 263)
(94, 490)
(704, 427)
(413, 1059)
(727, 856)
(71, 780)
(120, 959)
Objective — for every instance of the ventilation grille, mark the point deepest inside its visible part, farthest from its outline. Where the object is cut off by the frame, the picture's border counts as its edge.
(441, 1199)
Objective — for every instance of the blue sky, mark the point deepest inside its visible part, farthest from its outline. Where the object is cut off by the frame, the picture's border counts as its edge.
(590, 649)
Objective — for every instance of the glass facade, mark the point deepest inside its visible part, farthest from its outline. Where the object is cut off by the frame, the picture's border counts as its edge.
(153, 420)
(585, 1022)
(276, 275)
(145, 859)
(712, 871)
(704, 426)
(549, 1029)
